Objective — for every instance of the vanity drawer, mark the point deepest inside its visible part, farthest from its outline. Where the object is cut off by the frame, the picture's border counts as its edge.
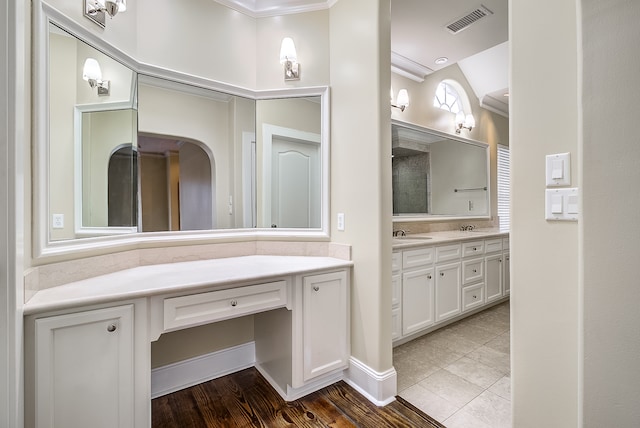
(472, 248)
(396, 261)
(472, 297)
(447, 252)
(505, 243)
(195, 309)
(472, 270)
(417, 257)
(493, 245)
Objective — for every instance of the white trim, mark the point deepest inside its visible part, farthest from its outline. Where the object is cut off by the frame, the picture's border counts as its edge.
(79, 229)
(249, 154)
(250, 7)
(292, 394)
(407, 68)
(187, 373)
(494, 105)
(14, 138)
(379, 388)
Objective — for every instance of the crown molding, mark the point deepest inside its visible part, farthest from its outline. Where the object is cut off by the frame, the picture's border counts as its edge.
(405, 67)
(490, 103)
(276, 8)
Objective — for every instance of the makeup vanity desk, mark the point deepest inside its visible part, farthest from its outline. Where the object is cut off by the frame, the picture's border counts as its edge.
(88, 343)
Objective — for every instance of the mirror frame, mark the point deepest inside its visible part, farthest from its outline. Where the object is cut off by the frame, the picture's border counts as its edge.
(44, 248)
(444, 217)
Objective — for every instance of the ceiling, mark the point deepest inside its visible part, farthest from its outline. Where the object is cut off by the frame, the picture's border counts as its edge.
(419, 35)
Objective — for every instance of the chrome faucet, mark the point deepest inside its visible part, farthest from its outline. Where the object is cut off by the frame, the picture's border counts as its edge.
(399, 232)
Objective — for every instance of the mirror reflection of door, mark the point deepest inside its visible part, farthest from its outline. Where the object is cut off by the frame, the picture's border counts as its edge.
(295, 183)
(122, 192)
(176, 186)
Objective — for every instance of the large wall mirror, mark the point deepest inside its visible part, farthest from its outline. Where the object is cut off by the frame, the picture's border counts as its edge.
(436, 175)
(125, 155)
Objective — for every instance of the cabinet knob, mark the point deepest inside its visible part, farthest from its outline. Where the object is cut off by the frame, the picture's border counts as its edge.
(475, 271)
(111, 328)
(500, 260)
(234, 303)
(475, 297)
(441, 273)
(316, 288)
(475, 249)
(428, 276)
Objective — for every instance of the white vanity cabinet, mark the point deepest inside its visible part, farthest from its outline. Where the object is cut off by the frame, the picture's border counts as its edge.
(88, 343)
(494, 268)
(444, 281)
(418, 288)
(305, 348)
(396, 295)
(506, 268)
(84, 370)
(325, 324)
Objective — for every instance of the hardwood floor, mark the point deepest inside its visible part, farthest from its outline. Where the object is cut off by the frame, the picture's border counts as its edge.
(245, 399)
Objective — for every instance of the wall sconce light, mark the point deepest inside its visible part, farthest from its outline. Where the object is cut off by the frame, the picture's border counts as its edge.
(289, 58)
(466, 122)
(91, 73)
(402, 101)
(96, 10)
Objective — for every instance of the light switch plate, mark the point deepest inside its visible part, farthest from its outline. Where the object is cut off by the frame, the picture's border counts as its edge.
(561, 204)
(558, 170)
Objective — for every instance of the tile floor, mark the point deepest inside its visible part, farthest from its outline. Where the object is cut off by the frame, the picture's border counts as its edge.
(460, 374)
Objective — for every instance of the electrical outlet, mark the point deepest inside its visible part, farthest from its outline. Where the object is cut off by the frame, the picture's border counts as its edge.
(341, 222)
(57, 221)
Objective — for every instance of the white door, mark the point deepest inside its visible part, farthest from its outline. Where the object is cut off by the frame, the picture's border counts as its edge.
(84, 369)
(325, 323)
(295, 183)
(417, 300)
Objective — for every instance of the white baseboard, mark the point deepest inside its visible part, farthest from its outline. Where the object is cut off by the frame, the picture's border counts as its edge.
(379, 388)
(187, 373)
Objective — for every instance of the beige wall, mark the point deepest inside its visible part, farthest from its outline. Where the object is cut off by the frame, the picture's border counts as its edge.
(545, 262)
(360, 167)
(610, 156)
(309, 33)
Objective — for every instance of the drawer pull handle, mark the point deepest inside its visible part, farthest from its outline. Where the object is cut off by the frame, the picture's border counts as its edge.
(111, 328)
(234, 303)
(316, 288)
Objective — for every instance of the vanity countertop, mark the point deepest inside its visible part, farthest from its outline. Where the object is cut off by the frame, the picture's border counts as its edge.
(147, 281)
(434, 238)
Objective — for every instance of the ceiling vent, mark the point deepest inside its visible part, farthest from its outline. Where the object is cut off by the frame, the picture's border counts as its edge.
(463, 23)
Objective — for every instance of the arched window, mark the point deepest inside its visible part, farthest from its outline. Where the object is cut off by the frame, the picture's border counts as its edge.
(451, 96)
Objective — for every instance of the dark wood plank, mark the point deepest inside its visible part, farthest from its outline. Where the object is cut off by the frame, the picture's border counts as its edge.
(245, 399)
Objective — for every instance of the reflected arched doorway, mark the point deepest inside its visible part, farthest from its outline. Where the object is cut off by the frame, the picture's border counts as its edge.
(176, 184)
(122, 206)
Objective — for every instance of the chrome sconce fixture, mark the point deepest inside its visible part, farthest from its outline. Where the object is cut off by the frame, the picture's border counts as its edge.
(289, 58)
(464, 122)
(96, 10)
(402, 102)
(91, 73)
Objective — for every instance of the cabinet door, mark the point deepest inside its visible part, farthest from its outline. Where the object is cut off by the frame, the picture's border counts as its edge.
(84, 369)
(506, 273)
(417, 300)
(447, 291)
(493, 266)
(325, 323)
